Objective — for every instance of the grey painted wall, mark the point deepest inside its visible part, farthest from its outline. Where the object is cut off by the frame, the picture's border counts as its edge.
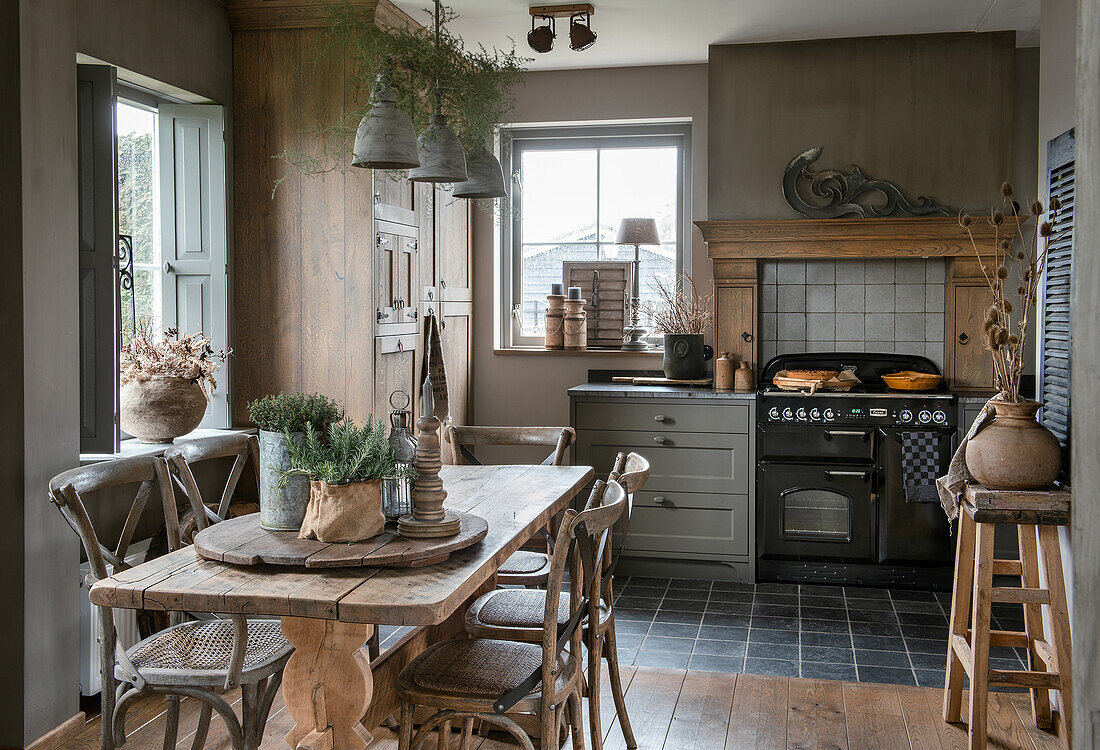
(933, 113)
(186, 45)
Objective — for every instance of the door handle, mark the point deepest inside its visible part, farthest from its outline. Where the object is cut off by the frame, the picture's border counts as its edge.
(863, 475)
(168, 267)
(746, 336)
(964, 339)
(861, 434)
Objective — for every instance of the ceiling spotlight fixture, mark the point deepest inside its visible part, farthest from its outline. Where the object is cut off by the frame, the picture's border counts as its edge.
(581, 35)
(541, 38)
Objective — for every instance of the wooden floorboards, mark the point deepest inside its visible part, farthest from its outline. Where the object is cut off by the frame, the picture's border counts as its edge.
(674, 709)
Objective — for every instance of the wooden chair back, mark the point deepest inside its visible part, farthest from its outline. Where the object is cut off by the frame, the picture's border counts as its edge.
(183, 456)
(579, 535)
(69, 488)
(464, 438)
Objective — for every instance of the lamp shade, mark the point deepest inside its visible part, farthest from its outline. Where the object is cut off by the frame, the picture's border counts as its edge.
(385, 138)
(486, 179)
(638, 232)
(441, 156)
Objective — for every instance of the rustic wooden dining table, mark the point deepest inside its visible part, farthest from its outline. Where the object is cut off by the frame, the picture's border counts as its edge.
(329, 614)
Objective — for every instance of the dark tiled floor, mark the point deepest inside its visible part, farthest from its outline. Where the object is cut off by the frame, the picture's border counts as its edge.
(827, 632)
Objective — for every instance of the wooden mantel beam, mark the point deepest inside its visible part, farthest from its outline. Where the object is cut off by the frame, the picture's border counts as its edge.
(929, 237)
(251, 15)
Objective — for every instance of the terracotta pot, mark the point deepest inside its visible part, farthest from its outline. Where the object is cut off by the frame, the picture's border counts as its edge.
(1014, 451)
(160, 409)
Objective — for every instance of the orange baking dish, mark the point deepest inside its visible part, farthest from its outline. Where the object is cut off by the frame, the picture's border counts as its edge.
(908, 380)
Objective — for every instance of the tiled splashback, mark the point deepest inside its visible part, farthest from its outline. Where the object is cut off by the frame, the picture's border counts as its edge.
(852, 305)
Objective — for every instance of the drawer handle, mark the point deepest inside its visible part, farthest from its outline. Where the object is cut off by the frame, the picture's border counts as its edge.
(660, 418)
(660, 439)
(660, 500)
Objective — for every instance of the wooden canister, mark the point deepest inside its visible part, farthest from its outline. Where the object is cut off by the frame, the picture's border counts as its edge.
(723, 372)
(575, 325)
(743, 378)
(555, 321)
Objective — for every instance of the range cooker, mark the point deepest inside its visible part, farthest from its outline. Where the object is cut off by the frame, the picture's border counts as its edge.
(831, 503)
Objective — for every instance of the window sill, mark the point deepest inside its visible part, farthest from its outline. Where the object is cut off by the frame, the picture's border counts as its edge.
(540, 351)
(132, 447)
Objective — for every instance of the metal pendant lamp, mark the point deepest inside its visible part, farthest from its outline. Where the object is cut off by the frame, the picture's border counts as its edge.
(486, 178)
(441, 156)
(440, 153)
(385, 138)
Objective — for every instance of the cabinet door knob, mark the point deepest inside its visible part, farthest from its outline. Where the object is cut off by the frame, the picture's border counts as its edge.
(660, 500)
(964, 339)
(746, 336)
(660, 418)
(660, 439)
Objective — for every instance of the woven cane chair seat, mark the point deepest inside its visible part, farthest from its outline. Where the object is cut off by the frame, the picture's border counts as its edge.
(478, 668)
(522, 608)
(207, 646)
(525, 562)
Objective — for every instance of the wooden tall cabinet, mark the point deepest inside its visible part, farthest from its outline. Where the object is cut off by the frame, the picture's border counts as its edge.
(335, 272)
(967, 298)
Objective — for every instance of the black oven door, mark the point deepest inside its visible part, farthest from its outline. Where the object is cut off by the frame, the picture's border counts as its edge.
(914, 533)
(816, 512)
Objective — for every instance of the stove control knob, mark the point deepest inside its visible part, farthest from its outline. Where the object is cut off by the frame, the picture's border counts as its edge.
(801, 414)
(924, 417)
(939, 417)
(906, 415)
(815, 414)
(773, 413)
(829, 414)
(788, 414)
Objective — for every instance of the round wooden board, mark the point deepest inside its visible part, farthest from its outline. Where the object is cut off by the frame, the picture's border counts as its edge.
(241, 541)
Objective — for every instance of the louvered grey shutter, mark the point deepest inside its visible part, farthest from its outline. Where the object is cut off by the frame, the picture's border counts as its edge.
(194, 237)
(1056, 314)
(98, 290)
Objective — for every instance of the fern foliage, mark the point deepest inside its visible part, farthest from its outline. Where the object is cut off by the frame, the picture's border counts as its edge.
(345, 454)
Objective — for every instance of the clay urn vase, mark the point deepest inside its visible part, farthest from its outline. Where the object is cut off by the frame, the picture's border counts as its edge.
(1014, 451)
(160, 409)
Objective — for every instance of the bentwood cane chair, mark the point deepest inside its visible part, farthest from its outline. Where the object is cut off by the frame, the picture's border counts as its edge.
(514, 614)
(525, 567)
(495, 680)
(241, 447)
(193, 659)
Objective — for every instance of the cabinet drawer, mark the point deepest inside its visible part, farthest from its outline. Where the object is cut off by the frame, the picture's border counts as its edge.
(666, 499)
(695, 530)
(640, 415)
(679, 462)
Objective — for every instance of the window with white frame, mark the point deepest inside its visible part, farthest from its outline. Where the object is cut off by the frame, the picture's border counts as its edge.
(569, 189)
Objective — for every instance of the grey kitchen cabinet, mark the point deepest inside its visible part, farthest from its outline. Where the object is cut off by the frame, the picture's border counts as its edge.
(696, 515)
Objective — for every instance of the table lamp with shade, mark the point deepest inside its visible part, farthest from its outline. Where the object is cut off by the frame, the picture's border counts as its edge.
(636, 232)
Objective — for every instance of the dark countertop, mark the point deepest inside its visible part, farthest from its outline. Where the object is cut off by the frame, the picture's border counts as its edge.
(655, 391)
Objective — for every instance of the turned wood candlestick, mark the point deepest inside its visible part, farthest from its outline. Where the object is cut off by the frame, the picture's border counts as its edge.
(428, 519)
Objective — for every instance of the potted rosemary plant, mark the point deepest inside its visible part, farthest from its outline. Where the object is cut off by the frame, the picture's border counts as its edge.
(1013, 451)
(165, 383)
(684, 316)
(345, 469)
(283, 420)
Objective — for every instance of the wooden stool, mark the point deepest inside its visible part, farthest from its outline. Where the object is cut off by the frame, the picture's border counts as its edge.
(1049, 661)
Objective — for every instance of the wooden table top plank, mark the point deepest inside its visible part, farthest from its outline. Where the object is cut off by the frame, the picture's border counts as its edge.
(515, 500)
(426, 596)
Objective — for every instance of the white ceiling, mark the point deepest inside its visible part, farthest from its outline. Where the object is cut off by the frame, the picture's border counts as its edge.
(663, 32)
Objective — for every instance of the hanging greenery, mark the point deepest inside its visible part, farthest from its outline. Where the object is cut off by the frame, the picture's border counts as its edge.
(475, 88)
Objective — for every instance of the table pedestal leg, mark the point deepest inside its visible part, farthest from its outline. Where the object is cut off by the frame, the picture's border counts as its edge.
(327, 684)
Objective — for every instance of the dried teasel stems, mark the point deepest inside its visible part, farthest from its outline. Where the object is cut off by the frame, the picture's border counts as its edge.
(681, 311)
(1025, 251)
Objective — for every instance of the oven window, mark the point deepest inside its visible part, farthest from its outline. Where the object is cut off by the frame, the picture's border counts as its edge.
(818, 514)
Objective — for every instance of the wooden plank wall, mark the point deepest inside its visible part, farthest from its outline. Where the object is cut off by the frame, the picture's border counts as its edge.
(302, 271)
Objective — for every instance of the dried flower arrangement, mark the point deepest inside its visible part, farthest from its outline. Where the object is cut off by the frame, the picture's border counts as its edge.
(1022, 250)
(175, 355)
(681, 310)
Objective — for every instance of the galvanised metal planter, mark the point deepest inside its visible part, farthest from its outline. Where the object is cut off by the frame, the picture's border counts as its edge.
(281, 508)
